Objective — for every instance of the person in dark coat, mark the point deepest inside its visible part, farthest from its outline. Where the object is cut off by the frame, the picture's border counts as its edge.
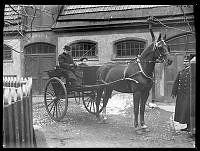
(181, 90)
(66, 62)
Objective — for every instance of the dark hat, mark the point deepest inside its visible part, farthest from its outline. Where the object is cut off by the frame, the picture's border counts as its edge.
(189, 57)
(83, 58)
(186, 59)
(67, 48)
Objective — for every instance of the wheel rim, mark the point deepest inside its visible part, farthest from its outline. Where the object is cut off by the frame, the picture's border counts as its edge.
(89, 102)
(55, 99)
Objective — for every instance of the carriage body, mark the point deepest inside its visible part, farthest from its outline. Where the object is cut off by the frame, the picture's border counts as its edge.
(88, 72)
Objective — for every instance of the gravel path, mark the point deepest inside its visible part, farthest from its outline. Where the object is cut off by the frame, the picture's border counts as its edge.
(80, 129)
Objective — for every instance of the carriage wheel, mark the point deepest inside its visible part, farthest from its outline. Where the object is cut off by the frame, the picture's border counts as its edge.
(55, 99)
(89, 102)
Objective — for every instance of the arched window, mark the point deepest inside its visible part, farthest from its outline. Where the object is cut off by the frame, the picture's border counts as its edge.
(129, 48)
(37, 48)
(84, 48)
(182, 43)
(7, 52)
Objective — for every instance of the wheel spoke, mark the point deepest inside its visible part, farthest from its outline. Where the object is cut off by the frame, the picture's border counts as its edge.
(50, 103)
(51, 92)
(87, 102)
(50, 87)
(54, 110)
(93, 106)
(59, 108)
(51, 107)
(90, 106)
(60, 105)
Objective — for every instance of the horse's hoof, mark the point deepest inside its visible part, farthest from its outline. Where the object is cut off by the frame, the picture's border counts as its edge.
(105, 118)
(144, 126)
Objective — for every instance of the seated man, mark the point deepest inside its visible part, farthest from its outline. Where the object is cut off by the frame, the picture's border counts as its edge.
(66, 62)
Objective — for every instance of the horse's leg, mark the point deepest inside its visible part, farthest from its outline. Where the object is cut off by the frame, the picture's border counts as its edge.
(136, 101)
(98, 100)
(144, 97)
(106, 95)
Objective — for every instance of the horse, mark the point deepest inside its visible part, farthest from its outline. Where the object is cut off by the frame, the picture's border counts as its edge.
(135, 77)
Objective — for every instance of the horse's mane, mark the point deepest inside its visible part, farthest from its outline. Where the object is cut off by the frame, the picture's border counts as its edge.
(147, 50)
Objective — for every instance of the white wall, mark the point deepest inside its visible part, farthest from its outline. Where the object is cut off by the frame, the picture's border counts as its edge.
(13, 67)
(104, 39)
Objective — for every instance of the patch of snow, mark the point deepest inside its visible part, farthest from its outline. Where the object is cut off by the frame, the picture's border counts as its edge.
(119, 103)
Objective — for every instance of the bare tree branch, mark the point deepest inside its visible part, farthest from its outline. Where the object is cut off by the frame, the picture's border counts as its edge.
(32, 21)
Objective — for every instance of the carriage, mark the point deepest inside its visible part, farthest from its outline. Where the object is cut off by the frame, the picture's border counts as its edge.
(58, 91)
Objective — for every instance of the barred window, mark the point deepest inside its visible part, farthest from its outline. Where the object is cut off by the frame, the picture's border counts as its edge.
(87, 49)
(37, 48)
(129, 48)
(7, 52)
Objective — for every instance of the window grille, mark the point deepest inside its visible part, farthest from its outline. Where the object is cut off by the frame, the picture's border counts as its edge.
(87, 49)
(7, 52)
(129, 48)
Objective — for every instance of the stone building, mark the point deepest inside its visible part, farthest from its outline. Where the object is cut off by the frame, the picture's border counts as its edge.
(111, 33)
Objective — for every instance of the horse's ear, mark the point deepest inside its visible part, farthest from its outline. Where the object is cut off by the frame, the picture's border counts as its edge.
(159, 37)
(164, 38)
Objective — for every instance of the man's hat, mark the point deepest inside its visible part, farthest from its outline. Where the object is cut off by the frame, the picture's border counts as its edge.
(83, 58)
(67, 48)
(186, 59)
(189, 57)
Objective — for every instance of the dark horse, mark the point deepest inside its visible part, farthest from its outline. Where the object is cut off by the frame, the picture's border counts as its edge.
(134, 77)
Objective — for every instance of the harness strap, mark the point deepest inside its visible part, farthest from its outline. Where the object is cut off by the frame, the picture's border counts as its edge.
(140, 66)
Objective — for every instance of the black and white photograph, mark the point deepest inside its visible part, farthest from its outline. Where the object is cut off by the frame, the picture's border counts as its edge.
(99, 76)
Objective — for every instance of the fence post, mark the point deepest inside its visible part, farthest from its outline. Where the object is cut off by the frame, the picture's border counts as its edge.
(29, 85)
(20, 119)
(13, 117)
(26, 120)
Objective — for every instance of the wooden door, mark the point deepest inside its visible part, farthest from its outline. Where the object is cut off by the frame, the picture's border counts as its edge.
(31, 70)
(35, 65)
(39, 57)
(47, 62)
(171, 73)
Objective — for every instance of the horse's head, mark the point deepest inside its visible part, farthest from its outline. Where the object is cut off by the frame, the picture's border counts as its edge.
(162, 51)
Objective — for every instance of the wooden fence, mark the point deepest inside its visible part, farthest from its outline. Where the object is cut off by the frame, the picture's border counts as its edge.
(17, 113)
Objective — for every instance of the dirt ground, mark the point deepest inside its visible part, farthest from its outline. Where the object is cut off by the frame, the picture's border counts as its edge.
(80, 129)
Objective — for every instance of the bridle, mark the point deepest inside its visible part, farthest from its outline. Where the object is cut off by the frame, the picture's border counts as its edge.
(156, 47)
